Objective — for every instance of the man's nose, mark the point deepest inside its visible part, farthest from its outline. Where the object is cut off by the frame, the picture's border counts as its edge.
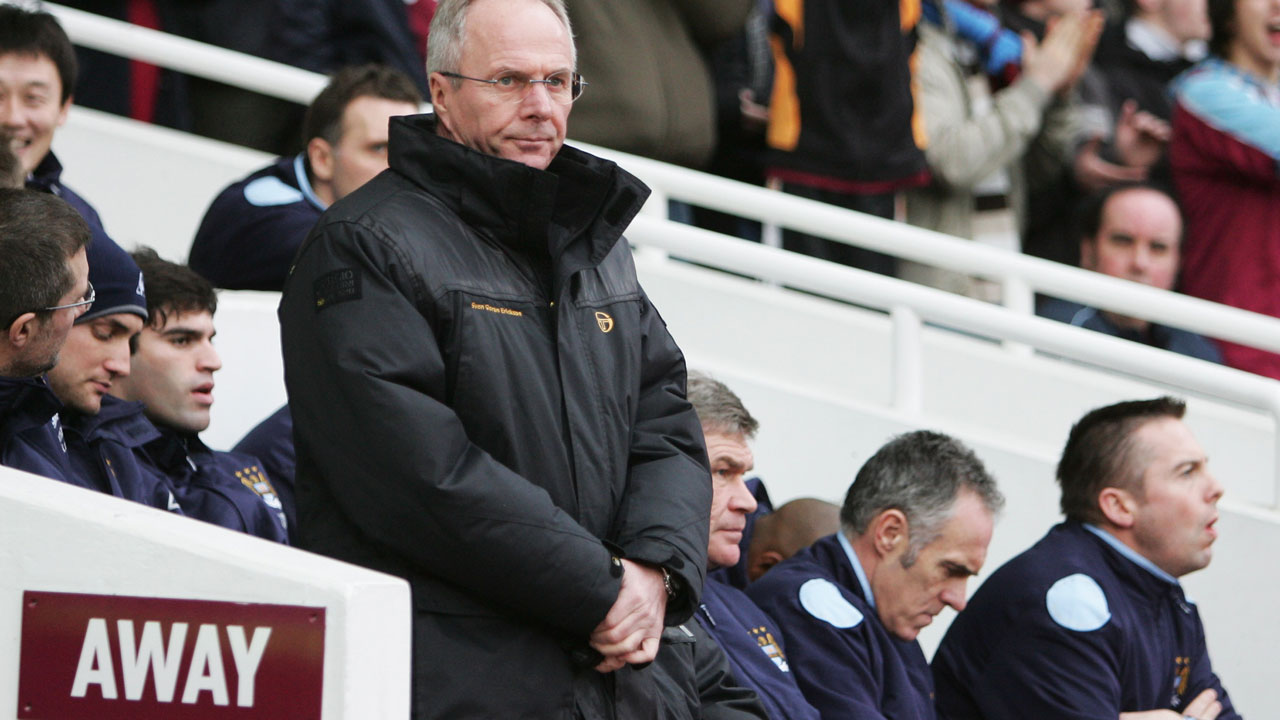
(954, 594)
(536, 101)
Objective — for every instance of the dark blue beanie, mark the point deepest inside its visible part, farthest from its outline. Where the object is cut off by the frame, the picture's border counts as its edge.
(117, 281)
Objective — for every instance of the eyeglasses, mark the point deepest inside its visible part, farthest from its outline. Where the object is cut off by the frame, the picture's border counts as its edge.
(563, 87)
(89, 297)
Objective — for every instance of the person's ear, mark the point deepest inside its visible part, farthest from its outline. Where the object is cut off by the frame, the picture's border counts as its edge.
(890, 533)
(22, 330)
(438, 86)
(1118, 506)
(763, 564)
(320, 158)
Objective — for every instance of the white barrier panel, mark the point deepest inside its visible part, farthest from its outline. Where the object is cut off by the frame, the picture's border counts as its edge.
(150, 184)
(83, 575)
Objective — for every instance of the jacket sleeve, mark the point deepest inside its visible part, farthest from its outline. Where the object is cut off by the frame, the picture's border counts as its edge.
(721, 696)
(965, 148)
(367, 388)
(664, 518)
(1202, 677)
(1234, 133)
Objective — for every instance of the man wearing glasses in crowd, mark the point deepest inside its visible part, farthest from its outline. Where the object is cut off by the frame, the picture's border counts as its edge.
(485, 401)
(44, 287)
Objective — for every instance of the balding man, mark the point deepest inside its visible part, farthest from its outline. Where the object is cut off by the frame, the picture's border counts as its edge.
(788, 530)
(486, 403)
(1132, 232)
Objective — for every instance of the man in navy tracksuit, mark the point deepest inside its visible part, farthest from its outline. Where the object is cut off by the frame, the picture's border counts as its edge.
(102, 433)
(251, 231)
(40, 298)
(271, 441)
(1091, 621)
(914, 527)
(751, 640)
(171, 374)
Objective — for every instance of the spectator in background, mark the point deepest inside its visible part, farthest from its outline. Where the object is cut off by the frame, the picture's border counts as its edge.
(1133, 232)
(1138, 55)
(914, 528)
(171, 374)
(788, 530)
(102, 432)
(251, 231)
(326, 35)
(981, 125)
(1224, 156)
(1091, 621)
(225, 112)
(843, 125)
(751, 640)
(124, 86)
(37, 76)
(1066, 160)
(651, 90)
(44, 287)
(742, 71)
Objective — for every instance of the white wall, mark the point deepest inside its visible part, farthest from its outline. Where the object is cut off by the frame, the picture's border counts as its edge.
(59, 538)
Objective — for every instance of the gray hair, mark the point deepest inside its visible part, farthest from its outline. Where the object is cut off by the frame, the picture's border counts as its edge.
(718, 408)
(449, 27)
(920, 473)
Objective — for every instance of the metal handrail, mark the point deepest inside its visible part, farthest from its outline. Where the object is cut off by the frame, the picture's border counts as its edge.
(910, 304)
(188, 56)
(941, 250)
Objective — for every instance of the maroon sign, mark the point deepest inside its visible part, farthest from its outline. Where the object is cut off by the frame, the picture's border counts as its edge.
(115, 657)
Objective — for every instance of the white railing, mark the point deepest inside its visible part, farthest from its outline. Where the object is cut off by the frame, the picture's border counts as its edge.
(188, 56)
(911, 305)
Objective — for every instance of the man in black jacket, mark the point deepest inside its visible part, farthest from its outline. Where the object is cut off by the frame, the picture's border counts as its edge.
(485, 401)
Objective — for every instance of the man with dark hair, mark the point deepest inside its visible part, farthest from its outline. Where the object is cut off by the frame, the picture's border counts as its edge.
(485, 401)
(251, 231)
(37, 77)
(1133, 232)
(752, 642)
(1091, 621)
(44, 279)
(171, 374)
(914, 528)
(44, 287)
(102, 432)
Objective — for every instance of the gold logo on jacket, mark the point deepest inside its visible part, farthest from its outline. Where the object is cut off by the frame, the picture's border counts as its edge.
(604, 321)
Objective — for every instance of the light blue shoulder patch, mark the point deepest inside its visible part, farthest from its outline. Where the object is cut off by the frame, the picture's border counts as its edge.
(270, 191)
(822, 599)
(1076, 602)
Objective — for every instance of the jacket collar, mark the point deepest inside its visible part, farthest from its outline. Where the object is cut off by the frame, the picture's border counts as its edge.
(121, 420)
(176, 451)
(26, 403)
(47, 174)
(576, 209)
